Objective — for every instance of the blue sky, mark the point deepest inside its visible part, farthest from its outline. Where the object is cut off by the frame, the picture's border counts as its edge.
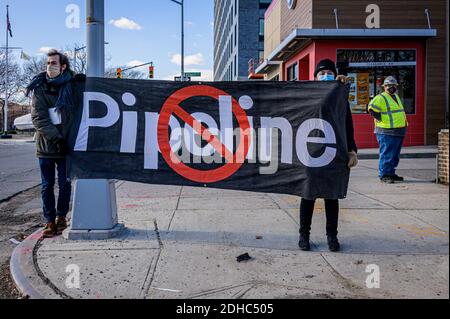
(137, 31)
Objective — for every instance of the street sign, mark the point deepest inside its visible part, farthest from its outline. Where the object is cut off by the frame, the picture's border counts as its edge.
(186, 78)
(193, 74)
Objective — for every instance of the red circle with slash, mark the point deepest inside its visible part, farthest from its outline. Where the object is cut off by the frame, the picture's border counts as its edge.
(233, 162)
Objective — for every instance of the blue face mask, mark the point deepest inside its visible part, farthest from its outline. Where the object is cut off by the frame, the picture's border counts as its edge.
(326, 77)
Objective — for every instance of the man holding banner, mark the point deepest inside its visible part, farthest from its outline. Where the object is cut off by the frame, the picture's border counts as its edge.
(55, 97)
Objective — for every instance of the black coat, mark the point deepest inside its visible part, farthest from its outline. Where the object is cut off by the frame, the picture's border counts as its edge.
(351, 144)
(50, 138)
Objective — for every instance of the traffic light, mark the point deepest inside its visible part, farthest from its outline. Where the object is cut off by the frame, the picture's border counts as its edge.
(151, 72)
(119, 73)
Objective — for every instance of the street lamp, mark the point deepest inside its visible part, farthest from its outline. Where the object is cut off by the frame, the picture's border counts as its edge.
(94, 210)
(181, 4)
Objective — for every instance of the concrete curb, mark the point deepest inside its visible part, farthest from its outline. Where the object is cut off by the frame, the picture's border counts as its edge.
(24, 272)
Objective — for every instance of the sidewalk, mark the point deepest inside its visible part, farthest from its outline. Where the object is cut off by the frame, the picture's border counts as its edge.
(23, 137)
(430, 151)
(182, 242)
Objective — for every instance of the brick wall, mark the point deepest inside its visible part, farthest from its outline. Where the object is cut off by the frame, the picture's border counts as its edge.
(443, 157)
(14, 111)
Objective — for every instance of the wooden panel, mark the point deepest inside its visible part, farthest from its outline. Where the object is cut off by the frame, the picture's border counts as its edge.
(436, 67)
(300, 17)
(393, 14)
(272, 29)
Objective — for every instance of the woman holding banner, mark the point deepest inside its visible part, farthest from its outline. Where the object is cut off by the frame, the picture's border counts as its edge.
(326, 71)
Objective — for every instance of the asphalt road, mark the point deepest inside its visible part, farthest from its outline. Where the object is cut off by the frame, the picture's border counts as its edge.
(20, 205)
(19, 168)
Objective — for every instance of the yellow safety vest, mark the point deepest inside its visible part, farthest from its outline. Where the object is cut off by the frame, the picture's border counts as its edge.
(392, 113)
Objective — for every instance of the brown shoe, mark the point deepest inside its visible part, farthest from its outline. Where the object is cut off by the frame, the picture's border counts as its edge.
(61, 224)
(49, 230)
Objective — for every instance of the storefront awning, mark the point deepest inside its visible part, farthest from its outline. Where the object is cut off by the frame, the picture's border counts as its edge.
(300, 37)
(266, 66)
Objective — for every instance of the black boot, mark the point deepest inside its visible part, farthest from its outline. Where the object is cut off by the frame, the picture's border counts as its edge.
(333, 243)
(303, 243)
(306, 213)
(387, 179)
(397, 178)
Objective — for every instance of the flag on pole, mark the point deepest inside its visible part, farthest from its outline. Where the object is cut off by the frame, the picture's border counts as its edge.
(8, 23)
(25, 56)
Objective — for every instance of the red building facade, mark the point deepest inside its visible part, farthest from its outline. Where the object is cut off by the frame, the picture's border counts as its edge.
(299, 37)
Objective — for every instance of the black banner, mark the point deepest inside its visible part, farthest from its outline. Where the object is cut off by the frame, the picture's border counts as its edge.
(276, 137)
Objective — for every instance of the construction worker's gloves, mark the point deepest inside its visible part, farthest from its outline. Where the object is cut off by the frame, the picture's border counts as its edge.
(352, 159)
(343, 79)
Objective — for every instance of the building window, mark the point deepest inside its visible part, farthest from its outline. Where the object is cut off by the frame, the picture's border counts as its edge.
(292, 72)
(235, 34)
(231, 16)
(231, 43)
(232, 69)
(235, 7)
(235, 67)
(368, 69)
(261, 27)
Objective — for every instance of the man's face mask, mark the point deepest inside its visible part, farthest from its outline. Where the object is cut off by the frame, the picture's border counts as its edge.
(326, 77)
(392, 90)
(53, 71)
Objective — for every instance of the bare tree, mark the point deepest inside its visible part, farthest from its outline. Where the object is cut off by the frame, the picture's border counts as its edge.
(15, 87)
(78, 57)
(79, 63)
(131, 74)
(33, 67)
(14, 75)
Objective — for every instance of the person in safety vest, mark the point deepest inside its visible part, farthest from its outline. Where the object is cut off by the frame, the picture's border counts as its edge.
(390, 129)
(326, 71)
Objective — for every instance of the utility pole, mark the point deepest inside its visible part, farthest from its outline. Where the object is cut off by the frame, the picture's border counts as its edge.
(95, 38)
(181, 4)
(5, 107)
(182, 40)
(94, 211)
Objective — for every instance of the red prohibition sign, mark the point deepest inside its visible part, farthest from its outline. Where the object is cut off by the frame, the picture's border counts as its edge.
(233, 161)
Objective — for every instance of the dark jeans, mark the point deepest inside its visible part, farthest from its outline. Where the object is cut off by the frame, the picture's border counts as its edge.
(331, 210)
(48, 166)
(390, 147)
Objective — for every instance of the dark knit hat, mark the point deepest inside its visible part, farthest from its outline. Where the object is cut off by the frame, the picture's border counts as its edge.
(326, 64)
